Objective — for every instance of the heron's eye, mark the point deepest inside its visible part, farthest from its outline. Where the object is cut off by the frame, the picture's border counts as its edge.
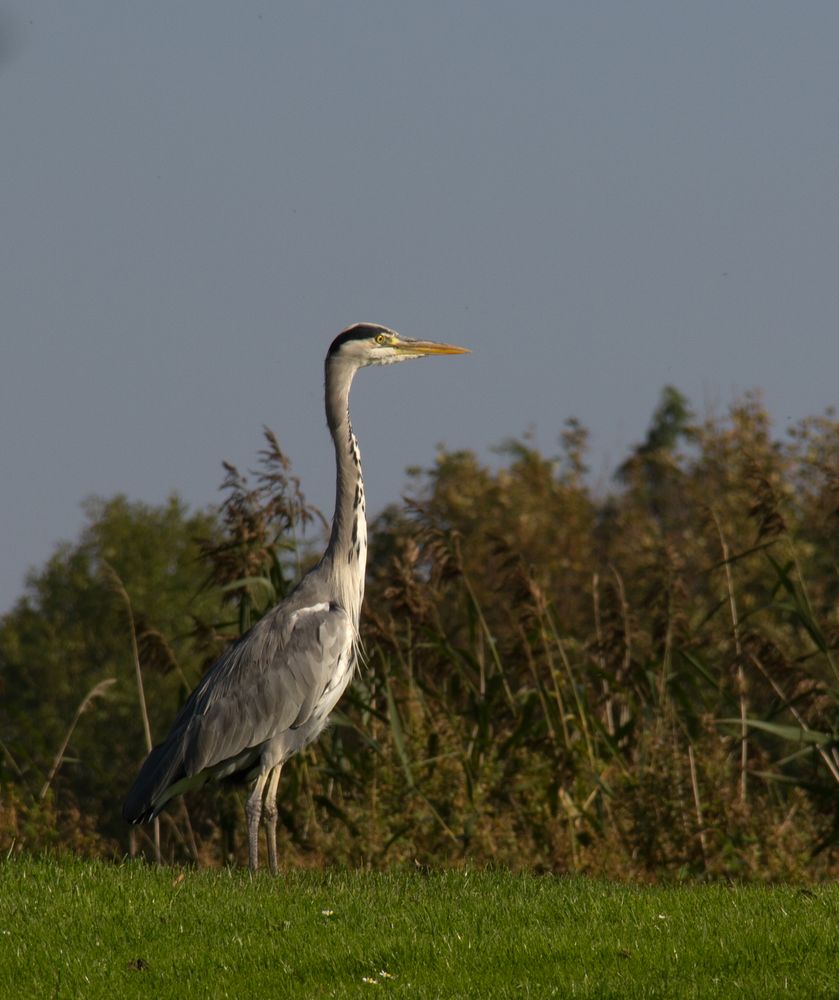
(380, 338)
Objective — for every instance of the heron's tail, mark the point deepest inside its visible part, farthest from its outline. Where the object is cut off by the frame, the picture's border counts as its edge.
(161, 770)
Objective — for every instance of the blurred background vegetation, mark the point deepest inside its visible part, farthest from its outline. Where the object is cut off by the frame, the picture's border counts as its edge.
(640, 682)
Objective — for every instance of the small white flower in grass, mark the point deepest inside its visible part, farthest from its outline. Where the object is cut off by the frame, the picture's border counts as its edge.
(328, 913)
(385, 975)
(369, 981)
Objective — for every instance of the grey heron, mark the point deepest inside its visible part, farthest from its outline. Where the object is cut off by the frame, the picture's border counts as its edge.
(271, 692)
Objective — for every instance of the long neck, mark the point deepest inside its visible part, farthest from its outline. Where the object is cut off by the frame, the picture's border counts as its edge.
(347, 551)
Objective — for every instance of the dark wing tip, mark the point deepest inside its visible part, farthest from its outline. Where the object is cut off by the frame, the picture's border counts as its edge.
(157, 773)
(135, 810)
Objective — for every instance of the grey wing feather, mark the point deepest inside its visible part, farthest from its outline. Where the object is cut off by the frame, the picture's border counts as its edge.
(271, 680)
(269, 684)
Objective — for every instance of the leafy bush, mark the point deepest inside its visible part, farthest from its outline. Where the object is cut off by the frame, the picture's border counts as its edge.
(642, 683)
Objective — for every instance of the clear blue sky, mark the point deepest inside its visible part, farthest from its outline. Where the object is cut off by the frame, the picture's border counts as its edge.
(598, 198)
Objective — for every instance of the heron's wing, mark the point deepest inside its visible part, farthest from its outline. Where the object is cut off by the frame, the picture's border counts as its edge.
(269, 682)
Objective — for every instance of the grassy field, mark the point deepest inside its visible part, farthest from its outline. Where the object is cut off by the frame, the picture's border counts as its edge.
(78, 929)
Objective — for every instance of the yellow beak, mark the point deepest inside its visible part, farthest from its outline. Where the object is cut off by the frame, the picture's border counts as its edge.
(422, 347)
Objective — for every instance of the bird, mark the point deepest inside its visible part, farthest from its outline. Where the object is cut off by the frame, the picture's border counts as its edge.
(270, 693)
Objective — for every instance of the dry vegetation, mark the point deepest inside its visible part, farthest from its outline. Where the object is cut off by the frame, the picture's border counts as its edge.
(641, 685)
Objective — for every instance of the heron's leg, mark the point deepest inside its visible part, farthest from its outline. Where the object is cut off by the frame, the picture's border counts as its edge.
(270, 816)
(253, 810)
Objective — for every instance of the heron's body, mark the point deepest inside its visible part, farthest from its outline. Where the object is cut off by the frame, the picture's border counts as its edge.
(272, 691)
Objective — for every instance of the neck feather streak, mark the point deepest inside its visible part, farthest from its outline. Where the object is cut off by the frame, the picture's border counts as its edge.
(347, 552)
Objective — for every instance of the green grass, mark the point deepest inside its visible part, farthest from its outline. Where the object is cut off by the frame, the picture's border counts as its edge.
(79, 929)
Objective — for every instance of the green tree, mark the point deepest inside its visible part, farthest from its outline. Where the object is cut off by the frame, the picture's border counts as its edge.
(72, 629)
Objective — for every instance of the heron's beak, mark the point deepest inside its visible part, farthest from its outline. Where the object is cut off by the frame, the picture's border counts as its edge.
(421, 348)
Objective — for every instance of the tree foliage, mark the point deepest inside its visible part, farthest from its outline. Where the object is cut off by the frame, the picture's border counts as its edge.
(71, 630)
(638, 683)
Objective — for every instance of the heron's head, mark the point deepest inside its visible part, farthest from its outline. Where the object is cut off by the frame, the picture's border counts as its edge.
(371, 344)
